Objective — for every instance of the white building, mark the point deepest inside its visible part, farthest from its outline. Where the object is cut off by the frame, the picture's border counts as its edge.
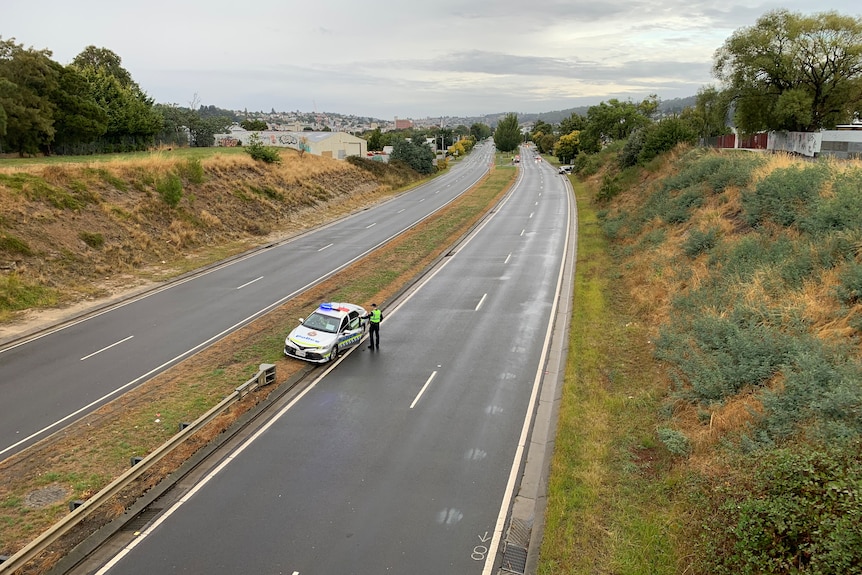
(336, 145)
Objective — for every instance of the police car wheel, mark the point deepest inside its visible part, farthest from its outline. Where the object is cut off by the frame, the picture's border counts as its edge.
(335, 353)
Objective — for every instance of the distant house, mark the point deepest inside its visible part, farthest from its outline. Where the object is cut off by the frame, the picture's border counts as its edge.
(336, 145)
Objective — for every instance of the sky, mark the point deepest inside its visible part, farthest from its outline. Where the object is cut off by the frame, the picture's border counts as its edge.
(399, 58)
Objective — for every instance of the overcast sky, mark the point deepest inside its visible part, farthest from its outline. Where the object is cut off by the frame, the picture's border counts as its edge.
(404, 58)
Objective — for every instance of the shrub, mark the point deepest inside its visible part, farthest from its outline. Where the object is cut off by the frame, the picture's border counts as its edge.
(800, 515)
(675, 442)
(716, 170)
(13, 245)
(698, 242)
(841, 211)
(849, 289)
(632, 150)
(663, 136)
(785, 195)
(170, 188)
(718, 356)
(258, 151)
(92, 239)
(192, 170)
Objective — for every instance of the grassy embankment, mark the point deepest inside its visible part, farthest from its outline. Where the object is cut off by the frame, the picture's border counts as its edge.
(711, 415)
(90, 454)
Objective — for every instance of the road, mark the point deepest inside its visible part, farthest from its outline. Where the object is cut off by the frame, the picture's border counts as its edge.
(51, 380)
(397, 460)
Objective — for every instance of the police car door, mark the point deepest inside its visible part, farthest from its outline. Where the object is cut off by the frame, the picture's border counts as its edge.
(353, 330)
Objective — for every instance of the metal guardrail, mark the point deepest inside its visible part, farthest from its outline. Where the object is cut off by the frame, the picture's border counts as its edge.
(265, 376)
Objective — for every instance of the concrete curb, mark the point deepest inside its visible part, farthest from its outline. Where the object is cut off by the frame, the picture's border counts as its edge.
(526, 521)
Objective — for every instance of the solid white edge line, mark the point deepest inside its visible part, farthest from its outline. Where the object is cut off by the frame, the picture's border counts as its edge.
(106, 348)
(424, 387)
(528, 421)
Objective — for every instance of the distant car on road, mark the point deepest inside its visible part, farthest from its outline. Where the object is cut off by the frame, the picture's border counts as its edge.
(331, 329)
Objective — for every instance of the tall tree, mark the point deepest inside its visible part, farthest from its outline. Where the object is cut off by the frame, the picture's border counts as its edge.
(507, 136)
(417, 155)
(133, 121)
(793, 72)
(615, 120)
(574, 123)
(30, 77)
(480, 131)
(709, 116)
(103, 60)
(78, 119)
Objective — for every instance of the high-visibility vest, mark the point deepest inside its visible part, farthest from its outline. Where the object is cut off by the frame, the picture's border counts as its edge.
(376, 316)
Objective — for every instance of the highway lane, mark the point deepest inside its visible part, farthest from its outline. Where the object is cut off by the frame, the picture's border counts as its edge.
(51, 380)
(400, 460)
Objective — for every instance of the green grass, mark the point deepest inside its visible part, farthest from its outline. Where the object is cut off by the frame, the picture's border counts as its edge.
(608, 512)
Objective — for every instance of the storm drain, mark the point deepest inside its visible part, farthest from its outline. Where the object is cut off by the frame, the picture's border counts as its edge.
(141, 519)
(514, 559)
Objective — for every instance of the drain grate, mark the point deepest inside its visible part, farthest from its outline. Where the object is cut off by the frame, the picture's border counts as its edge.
(141, 519)
(514, 559)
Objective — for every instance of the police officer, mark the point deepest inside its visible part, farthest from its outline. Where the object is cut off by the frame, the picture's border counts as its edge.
(374, 319)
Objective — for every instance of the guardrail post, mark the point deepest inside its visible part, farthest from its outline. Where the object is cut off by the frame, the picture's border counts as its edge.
(135, 460)
(75, 504)
(267, 374)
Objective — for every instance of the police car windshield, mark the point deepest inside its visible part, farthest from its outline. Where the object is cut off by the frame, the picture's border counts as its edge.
(322, 322)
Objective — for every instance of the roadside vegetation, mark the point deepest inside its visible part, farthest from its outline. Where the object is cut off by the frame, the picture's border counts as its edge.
(711, 415)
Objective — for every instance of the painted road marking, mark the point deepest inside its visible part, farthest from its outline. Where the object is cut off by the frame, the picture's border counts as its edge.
(249, 283)
(106, 348)
(424, 387)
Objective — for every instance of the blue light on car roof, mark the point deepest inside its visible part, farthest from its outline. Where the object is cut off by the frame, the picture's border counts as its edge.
(327, 306)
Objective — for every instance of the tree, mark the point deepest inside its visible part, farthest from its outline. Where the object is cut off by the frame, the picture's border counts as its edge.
(507, 136)
(574, 123)
(104, 60)
(615, 120)
(132, 120)
(375, 140)
(710, 112)
(29, 78)
(255, 125)
(78, 118)
(793, 72)
(480, 131)
(567, 147)
(417, 155)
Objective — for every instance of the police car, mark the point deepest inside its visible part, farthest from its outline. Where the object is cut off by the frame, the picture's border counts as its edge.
(331, 329)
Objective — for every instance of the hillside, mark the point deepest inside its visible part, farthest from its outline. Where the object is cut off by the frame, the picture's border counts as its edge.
(746, 271)
(77, 232)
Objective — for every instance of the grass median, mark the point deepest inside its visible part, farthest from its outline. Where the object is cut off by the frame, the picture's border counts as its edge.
(83, 458)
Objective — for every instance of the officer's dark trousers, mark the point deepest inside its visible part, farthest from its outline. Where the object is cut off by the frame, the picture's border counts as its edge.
(374, 334)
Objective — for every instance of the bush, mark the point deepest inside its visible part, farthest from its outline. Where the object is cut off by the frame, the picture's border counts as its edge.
(842, 210)
(716, 357)
(258, 151)
(92, 239)
(801, 514)
(698, 242)
(13, 245)
(675, 442)
(663, 136)
(849, 290)
(170, 188)
(785, 195)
